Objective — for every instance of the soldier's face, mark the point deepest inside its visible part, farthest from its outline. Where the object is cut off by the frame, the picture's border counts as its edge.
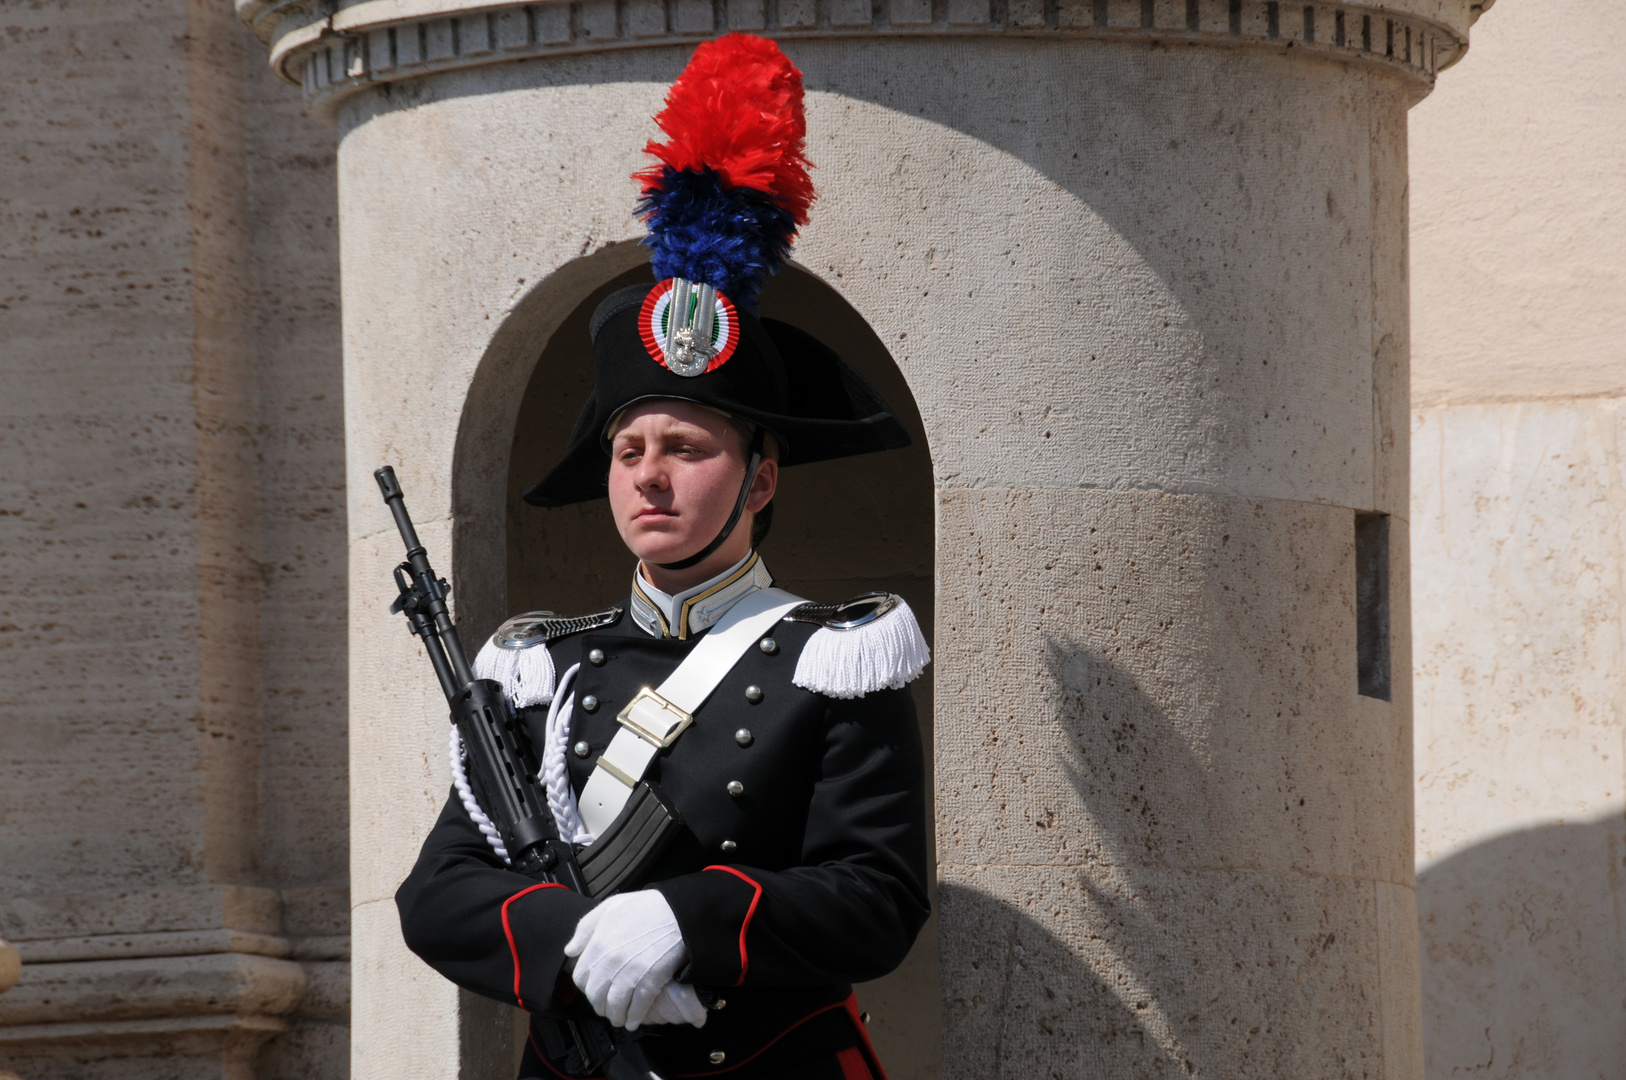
(675, 471)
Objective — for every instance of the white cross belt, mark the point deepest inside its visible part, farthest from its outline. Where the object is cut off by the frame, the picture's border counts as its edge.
(654, 719)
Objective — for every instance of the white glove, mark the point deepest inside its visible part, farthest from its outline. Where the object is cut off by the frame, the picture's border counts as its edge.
(627, 950)
(677, 1004)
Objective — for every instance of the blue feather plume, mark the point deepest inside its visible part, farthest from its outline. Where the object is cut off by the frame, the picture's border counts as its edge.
(702, 230)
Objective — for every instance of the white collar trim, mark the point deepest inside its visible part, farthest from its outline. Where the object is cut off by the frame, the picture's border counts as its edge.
(694, 611)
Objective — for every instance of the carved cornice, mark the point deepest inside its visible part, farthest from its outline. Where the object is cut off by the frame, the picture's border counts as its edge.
(334, 52)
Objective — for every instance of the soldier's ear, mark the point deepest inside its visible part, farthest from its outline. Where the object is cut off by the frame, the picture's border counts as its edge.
(764, 486)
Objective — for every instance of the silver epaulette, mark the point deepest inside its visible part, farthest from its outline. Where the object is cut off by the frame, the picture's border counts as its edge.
(542, 627)
(849, 614)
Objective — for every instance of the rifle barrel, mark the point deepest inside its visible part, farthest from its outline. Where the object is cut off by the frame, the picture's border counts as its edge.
(436, 628)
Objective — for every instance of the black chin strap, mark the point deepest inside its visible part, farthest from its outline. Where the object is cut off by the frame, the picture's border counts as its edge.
(734, 518)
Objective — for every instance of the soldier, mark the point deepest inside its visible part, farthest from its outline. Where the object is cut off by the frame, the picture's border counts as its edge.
(782, 731)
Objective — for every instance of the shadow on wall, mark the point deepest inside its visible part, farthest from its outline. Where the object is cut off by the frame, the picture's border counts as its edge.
(1524, 956)
(1163, 972)
(1026, 1001)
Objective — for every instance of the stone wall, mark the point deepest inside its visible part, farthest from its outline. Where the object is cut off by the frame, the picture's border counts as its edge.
(173, 818)
(1519, 547)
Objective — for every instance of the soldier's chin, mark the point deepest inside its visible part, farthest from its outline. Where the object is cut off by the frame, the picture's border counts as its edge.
(660, 545)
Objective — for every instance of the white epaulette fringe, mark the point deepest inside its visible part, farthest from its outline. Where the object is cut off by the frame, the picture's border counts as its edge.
(526, 674)
(885, 654)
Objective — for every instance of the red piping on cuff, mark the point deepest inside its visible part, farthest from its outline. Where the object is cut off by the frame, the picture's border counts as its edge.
(745, 959)
(508, 931)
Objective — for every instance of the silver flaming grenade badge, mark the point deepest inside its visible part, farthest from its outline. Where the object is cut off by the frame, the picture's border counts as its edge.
(690, 328)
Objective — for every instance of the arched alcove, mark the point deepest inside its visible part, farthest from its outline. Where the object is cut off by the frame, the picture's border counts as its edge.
(840, 528)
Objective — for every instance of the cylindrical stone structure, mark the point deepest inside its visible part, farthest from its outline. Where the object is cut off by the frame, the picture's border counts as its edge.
(1143, 266)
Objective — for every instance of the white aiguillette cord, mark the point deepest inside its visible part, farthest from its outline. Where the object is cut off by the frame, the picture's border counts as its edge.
(654, 719)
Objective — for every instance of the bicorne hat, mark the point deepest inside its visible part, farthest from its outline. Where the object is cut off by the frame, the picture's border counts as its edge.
(722, 206)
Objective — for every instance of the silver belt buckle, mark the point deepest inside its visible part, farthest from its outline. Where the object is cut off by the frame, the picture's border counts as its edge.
(654, 719)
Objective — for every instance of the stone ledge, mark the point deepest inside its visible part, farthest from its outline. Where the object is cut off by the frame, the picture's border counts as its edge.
(161, 989)
(175, 1035)
(137, 946)
(139, 911)
(384, 41)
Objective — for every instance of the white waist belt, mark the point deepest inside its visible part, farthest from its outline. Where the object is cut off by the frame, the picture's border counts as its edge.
(654, 719)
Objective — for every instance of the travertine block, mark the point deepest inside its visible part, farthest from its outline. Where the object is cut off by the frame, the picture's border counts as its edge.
(153, 987)
(1159, 972)
(212, 1047)
(1521, 749)
(171, 540)
(1161, 680)
(1512, 180)
(143, 909)
(410, 1013)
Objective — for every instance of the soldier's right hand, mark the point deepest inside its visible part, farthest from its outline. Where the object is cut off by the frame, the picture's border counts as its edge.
(627, 950)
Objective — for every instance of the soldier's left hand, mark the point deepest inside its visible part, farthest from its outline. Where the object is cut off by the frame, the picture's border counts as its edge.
(677, 1003)
(627, 950)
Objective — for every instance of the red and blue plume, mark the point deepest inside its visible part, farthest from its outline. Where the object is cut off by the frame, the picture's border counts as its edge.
(731, 187)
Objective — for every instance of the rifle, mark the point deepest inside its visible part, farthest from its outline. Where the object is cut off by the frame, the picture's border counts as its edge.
(504, 765)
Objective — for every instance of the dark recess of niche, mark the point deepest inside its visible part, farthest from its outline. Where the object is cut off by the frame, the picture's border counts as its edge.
(1372, 605)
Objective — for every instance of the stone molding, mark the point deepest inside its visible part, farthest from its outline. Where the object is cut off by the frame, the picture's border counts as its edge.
(336, 54)
(214, 993)
(152, 988)
(10, 967)
(233, 1039)
(141, 946)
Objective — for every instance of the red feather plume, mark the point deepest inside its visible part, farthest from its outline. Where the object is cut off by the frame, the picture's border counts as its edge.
(737, 110)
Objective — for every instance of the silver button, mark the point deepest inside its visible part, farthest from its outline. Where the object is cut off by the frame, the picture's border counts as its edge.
(735, 788)
(719, 1005)
(768, 645)
(718, 1057)
(595, 657)
(744, 737)
(753, 694)
(590, 703)
(582, 749)
(728, 845)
